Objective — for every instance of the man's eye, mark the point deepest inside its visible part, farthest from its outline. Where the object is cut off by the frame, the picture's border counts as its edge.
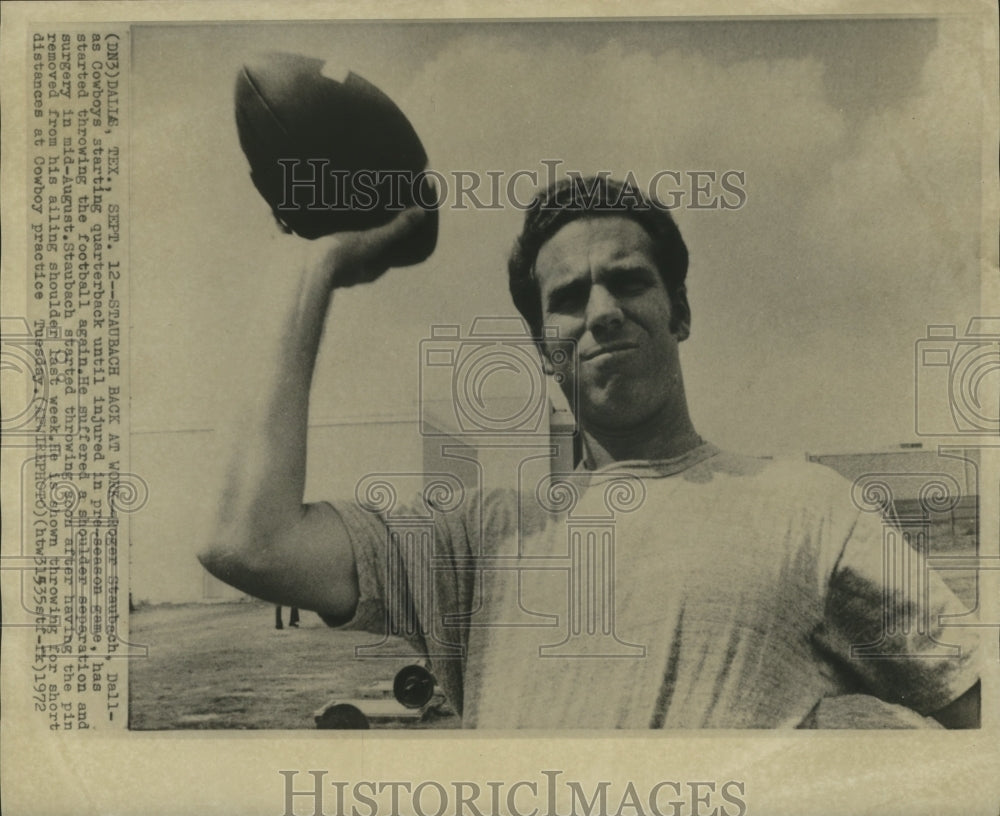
(632, 283)
(567, 300)
(630, 288)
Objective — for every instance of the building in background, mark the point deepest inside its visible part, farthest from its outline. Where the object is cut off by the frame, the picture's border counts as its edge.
(932, 496)
(183, 470)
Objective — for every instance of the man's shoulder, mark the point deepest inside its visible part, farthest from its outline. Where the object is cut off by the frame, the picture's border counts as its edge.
(776, 470)
(766, 479)
(488, 515)
(717, 468)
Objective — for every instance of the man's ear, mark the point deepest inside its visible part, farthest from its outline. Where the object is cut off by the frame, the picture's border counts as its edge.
(680, 314)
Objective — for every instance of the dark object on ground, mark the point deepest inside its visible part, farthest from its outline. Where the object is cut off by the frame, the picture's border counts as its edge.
(409, 698)
(342, 716)
(413, 686)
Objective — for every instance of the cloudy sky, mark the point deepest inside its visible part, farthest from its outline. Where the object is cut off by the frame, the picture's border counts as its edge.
(859, 141)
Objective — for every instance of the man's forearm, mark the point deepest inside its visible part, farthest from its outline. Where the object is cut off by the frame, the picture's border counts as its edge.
(265, 479)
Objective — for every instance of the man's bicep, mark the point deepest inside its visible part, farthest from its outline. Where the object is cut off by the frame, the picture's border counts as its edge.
(313, 565)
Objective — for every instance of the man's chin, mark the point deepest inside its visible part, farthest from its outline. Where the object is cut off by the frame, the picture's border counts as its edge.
(612, 417)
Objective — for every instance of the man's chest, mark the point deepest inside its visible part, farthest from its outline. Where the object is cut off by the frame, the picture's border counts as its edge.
(603, 623)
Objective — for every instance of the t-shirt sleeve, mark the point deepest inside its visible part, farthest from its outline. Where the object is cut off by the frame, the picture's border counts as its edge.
(375, 559)
(892, 621)
(408, 584)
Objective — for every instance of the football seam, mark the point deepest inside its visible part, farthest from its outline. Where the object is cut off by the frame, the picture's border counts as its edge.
(264, 102)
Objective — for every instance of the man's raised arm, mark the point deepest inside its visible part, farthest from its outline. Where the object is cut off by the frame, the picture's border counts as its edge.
(267, 542)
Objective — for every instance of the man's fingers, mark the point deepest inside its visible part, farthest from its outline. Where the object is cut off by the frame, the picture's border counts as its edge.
(361, 257)
(377, 240)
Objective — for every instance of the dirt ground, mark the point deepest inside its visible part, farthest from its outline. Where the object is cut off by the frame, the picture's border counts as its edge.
(224, 665)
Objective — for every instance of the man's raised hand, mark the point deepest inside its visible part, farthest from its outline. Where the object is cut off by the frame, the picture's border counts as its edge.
(351, 258)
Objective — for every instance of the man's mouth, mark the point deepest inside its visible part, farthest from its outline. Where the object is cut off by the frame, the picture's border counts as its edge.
(607, 350)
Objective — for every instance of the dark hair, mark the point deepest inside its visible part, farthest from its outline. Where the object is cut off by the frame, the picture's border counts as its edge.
(587, 197)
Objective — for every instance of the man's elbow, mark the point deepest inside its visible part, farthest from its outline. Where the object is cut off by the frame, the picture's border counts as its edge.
(236, 559)
(212, 558)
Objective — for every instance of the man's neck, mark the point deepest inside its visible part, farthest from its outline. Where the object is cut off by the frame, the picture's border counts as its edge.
(662, 438)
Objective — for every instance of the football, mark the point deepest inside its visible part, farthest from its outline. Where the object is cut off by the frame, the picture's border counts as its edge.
(331, 154)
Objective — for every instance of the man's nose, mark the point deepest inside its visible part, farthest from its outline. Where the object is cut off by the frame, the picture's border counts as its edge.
(604, 313)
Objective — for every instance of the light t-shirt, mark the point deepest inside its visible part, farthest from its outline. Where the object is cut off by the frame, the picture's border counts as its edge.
(707, 591)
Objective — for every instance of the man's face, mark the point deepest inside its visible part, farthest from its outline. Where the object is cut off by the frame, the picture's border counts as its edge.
(601, 287)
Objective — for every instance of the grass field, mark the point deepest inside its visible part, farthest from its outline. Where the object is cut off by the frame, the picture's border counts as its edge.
(224, 665)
